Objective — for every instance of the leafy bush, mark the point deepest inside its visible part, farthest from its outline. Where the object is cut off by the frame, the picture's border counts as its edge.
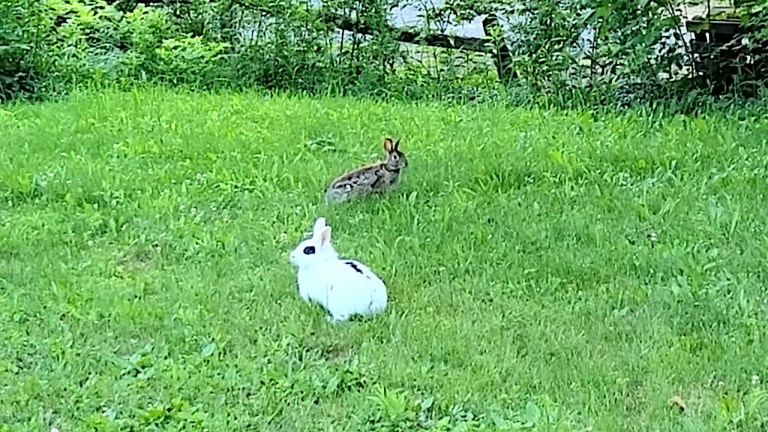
(753, 49)
(189, 60)
(21, 28)
(81, 45)
(565, 52)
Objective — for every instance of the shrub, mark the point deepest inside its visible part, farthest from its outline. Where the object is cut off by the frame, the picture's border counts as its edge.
(21, 30)
(565, 52)
(189, 60)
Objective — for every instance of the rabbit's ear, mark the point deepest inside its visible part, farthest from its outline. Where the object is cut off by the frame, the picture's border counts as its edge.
(319, 224)
(397, 145)
(325, 236)
(388, 145)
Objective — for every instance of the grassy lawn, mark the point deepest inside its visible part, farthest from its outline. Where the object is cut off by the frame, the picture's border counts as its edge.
(550, 270)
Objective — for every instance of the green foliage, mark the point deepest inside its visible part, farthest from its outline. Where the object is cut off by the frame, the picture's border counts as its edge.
(21, 28)
(553, 66)
(752, 63)
(548, 270)
(191, 59)
(637, 53)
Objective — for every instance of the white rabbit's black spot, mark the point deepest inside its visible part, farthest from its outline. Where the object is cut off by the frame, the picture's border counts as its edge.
(355, 268)
(309, 250)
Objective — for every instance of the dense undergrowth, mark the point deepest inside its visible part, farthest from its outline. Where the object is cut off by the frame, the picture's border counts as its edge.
(52, 47)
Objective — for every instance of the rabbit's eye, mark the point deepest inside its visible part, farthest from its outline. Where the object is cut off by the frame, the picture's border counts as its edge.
(309, 250)
(395, 157)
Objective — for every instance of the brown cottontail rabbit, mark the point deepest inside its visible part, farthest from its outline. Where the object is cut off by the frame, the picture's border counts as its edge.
(370, 179)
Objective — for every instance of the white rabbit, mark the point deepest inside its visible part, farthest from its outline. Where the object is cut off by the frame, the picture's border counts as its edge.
(343, 287)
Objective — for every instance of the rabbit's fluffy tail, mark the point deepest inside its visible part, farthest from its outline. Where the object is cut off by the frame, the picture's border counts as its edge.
(335, 196)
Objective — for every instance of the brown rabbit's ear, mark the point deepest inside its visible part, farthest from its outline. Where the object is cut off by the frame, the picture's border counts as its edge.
(397, 145)
(388, 145)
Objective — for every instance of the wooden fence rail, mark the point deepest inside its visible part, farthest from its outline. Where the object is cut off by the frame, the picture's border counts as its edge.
(486, 45)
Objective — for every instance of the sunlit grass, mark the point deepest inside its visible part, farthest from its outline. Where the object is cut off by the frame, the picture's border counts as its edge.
(548, 269)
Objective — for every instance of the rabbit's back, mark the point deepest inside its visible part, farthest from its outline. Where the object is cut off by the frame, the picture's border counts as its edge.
(365, 181)
(344, 288)
(356, 290)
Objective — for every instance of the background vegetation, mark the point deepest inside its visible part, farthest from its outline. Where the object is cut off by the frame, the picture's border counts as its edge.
(637, 55)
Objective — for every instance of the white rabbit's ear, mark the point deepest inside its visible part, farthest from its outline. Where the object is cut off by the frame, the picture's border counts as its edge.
(325, 236)
(319, 224)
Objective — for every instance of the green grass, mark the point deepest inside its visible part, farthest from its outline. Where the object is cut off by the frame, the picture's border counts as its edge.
(554, 270)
